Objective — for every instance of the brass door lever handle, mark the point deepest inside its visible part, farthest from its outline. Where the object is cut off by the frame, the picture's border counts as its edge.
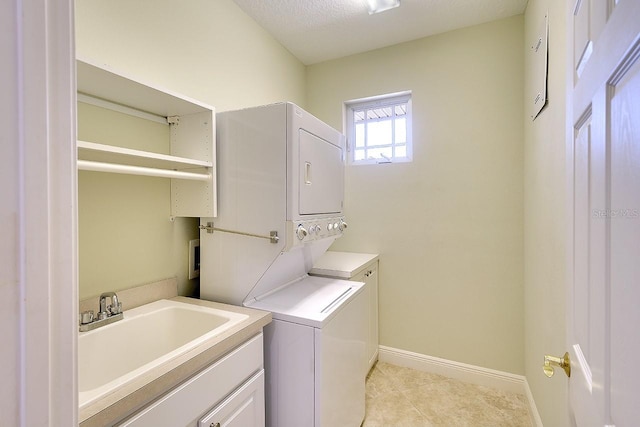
(562, 362)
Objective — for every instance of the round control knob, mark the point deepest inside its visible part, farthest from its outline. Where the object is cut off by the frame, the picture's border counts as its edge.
(342, 225)
(330, 227)
(335, 225)
(301, 232)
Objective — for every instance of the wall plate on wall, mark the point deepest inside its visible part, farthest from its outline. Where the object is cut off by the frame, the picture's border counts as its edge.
(537, 98)
(194, 258)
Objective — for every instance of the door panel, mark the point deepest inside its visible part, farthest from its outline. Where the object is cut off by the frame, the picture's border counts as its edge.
(581, 226)
(590, 18)
(581, 39)
(586, 308)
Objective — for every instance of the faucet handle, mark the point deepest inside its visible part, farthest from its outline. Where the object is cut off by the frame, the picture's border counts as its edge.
(86, 317)
(115, 309)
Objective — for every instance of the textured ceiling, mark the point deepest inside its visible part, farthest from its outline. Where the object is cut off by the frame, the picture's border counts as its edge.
(319, 30)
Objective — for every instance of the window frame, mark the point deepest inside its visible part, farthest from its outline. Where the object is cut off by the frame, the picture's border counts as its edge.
(380, 101)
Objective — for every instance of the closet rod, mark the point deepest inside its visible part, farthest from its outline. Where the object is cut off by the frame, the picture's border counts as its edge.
(103, 103)
(140, 170)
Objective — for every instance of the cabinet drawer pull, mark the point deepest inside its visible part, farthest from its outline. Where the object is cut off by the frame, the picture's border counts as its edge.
(215, 425)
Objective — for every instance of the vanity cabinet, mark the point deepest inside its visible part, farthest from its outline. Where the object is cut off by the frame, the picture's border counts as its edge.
(190, 164)
(229, 392)
(357, 267)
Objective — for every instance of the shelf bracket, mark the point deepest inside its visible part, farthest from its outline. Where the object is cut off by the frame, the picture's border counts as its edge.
(272, 237)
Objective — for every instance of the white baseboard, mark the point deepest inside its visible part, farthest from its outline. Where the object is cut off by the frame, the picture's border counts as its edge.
(533, 409)
(461, 371)
(499, 380)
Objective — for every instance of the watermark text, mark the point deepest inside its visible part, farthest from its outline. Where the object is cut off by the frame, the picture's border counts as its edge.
(616, 213)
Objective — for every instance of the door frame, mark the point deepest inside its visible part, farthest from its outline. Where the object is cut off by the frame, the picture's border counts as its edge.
(39, 214)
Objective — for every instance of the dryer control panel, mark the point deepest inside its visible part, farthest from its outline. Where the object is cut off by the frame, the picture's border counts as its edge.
(301, 232)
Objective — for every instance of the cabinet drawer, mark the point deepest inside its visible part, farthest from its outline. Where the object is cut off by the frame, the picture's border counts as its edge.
(244, 408)
(186, 403)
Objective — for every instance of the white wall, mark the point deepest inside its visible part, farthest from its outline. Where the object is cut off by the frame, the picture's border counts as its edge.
(207, 50)
(544, 218)
(449, 225)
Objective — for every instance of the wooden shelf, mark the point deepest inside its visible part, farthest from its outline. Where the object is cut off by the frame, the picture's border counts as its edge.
(118, 155)
(107, 84)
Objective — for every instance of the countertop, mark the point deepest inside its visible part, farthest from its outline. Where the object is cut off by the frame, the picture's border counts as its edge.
(344, 265)
(143, 390)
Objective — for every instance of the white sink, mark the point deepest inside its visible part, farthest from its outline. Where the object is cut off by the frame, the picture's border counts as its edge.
(148, 336)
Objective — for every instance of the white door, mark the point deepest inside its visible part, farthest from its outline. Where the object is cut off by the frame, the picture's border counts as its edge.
(603, 316)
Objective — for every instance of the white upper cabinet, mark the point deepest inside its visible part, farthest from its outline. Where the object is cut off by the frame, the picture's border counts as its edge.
(191, 163)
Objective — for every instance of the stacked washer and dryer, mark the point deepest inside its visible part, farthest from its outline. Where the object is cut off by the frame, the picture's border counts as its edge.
(281, 183)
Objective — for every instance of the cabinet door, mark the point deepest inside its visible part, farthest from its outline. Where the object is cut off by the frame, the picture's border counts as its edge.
(371, 279)
(244, 408)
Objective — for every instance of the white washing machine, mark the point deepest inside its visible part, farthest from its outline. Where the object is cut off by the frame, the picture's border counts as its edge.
(280, 177)
(315, 357)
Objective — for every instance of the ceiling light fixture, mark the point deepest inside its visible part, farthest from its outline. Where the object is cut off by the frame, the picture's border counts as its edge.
(376, 6)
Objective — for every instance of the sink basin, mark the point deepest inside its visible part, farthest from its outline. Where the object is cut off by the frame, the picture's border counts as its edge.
(147, 337)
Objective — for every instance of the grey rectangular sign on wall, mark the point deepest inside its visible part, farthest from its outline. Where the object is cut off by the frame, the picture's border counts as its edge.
(537, 95)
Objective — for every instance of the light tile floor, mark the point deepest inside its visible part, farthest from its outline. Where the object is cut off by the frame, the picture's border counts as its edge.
(403, 397)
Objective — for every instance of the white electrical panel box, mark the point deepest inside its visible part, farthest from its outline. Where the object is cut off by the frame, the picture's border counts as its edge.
(537, 95)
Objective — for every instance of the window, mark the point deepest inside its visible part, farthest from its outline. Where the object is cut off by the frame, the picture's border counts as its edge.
(379, 129)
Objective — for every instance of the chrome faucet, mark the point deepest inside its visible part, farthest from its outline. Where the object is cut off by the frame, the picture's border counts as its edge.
(109, 310)
(107, 314)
